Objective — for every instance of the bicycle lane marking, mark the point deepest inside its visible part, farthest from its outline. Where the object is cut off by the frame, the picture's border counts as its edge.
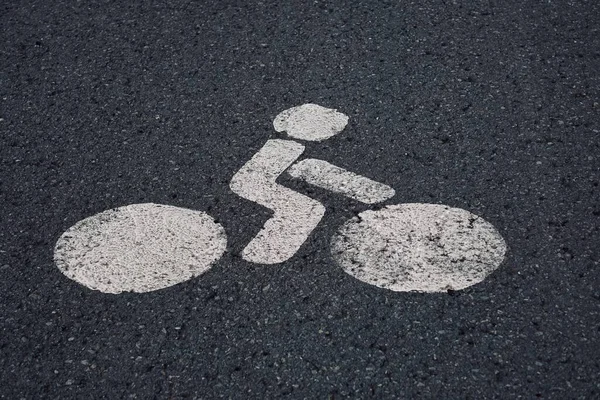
(406, 247)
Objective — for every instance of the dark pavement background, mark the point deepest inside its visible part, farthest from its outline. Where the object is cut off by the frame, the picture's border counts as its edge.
(490, 106)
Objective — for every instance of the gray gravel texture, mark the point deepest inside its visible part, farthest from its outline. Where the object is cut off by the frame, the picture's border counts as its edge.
(489, 106)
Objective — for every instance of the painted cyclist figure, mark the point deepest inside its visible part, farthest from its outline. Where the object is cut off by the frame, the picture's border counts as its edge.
(402, 247)
(296, 215)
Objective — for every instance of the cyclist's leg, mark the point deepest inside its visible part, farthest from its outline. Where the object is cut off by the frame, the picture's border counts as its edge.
(295, 215)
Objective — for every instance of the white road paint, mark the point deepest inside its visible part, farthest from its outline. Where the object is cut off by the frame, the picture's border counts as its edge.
(324, 175)
(139, 248)
(295, 215)
(404, 247)
(419, 247)
(310, 122)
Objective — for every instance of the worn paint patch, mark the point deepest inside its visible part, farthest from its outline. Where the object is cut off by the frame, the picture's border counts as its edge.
(419, 247)
(139, 248)
(310, 122)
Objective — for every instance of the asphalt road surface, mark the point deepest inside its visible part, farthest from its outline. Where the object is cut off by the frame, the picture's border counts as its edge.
(487, 106)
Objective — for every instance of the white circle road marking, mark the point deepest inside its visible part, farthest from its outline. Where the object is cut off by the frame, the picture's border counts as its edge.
(139, 248)
(418, 247)
(310, 122)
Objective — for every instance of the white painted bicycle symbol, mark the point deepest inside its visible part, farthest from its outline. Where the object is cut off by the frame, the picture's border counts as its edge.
(404, 247)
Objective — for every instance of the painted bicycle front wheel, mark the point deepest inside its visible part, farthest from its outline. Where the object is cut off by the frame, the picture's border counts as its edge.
(419, 248)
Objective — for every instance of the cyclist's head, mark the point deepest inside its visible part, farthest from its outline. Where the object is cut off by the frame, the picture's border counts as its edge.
(310, 122)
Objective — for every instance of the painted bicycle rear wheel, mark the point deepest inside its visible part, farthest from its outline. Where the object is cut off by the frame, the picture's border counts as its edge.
(139, 248)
